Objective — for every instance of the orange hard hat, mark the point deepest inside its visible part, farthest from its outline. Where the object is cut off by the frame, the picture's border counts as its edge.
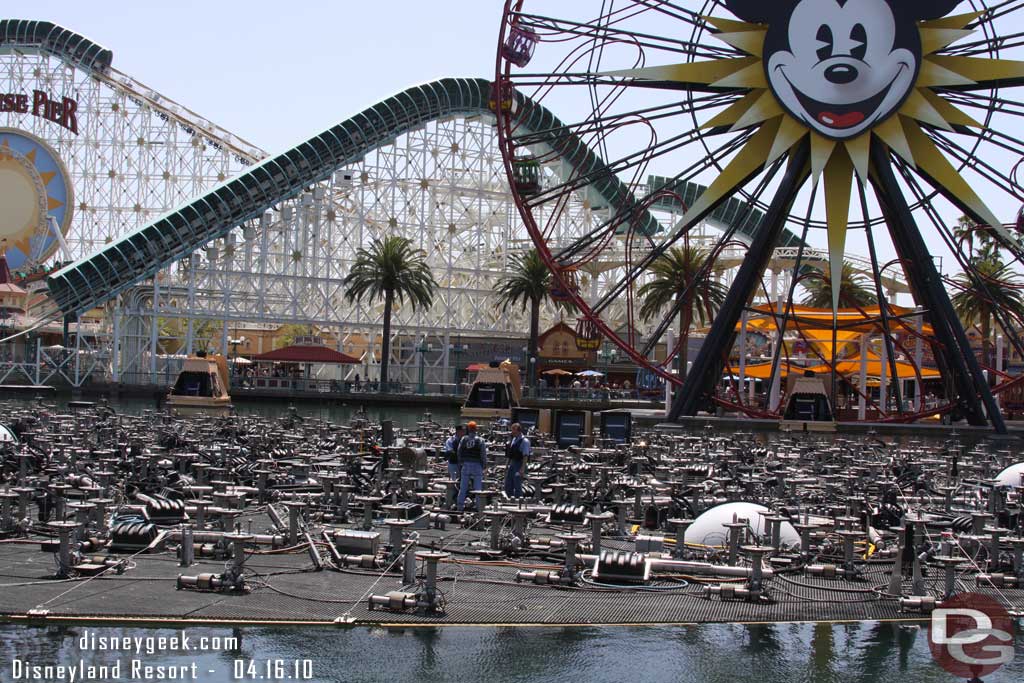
(471, 425)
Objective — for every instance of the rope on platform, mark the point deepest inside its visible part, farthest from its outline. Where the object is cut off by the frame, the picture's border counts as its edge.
(963, 550)
(95, 576)
(398, 556)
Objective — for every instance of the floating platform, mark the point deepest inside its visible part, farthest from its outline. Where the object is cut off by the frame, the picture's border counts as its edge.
(672, 527)
(285, 590)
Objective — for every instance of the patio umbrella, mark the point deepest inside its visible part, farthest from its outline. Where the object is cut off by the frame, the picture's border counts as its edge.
(557, 371)
(590, 373)
(242, 361)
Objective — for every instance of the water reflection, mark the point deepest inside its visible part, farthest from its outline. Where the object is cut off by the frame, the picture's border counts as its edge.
(732, 653)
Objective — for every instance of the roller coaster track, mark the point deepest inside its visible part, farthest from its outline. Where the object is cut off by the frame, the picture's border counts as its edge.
(141, 254)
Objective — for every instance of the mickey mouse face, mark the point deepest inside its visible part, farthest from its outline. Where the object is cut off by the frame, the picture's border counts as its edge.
(841, 66)
(845, 71)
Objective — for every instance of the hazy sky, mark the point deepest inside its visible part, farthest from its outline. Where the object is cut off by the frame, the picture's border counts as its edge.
(276, 73)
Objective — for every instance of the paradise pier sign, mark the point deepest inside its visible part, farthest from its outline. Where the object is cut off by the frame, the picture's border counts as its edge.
(62, 111)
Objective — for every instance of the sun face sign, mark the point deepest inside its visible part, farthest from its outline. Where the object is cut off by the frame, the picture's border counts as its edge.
(34, 188)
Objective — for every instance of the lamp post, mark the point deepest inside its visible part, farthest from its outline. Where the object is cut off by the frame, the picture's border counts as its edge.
(457, 349)
(422, 349)
(607, 355)
(234, 351)
(234, 344)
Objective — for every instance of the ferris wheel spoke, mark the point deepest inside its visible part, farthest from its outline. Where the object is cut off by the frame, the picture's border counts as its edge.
(883, 302)
(998, 139)
(944, 231)
(594, 170)
(615, 121)
(1001, 9)
(986, 45)
(714, 158)
(984, 102)
(675, 11)
(624, 216)
(568, 30)
(982, 168)
(634, 273)
(699, 279)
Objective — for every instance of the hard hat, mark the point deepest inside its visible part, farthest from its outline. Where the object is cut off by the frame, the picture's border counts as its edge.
(471, 425)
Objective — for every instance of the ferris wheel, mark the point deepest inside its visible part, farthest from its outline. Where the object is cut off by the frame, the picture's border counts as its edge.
(636, 123)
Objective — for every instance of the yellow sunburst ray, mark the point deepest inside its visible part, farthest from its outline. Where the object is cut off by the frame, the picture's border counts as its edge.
(732, 25)
(918, 107)
(697, 73)
(766, 107)
(790, 132)
(954, 115)
(859, 149)
(933, 163)
(734, 111)
(751, 42)
(934, 39)
(24, 246)
(838, 186)
(934, 76)
(981, 70)
(747, 162)
(956, 21)
(891, 133)
(748, 77)
(821, 152)
(53, 203)
(47, 176)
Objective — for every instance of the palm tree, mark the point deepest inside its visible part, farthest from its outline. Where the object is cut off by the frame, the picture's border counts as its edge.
(527, 284)
(391, 269)
(998, 289)
(288, 333)
(173, 333)
(967, 232)
(853, 290)
(677, 273)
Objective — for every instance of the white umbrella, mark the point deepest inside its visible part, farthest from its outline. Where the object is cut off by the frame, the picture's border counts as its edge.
(242, 361)
(590, 373)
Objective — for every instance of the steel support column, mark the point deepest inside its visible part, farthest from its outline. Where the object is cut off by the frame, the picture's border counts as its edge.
(968, 379)
(699, 388)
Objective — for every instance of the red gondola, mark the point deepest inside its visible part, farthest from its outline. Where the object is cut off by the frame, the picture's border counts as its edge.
(501, 96)
(588, 337)
(519, 46)
(560, 295)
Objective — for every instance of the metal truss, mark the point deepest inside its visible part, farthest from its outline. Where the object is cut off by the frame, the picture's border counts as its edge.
(139, 155)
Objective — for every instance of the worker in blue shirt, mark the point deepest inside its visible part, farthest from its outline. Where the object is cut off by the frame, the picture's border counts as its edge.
(472, 462)
(517, 452)
(451, 452)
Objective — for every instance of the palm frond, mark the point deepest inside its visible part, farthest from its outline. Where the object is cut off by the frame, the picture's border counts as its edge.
(853, 290)
(391, 265)
(528, 280)
(672, 275)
